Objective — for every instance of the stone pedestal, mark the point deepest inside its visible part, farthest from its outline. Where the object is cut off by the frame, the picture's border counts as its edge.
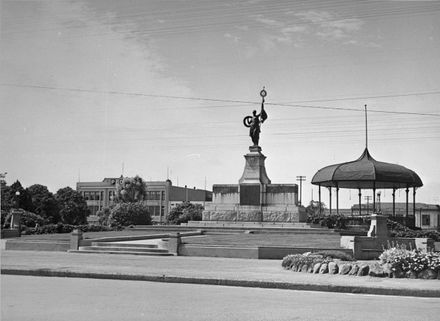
(254, 198)
(254, 169)
(378, 226)
(75, 239)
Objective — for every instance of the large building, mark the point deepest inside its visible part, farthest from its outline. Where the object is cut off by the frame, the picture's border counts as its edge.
(161, 196)
(425, 216)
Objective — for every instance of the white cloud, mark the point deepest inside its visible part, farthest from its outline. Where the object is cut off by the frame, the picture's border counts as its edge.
(91, 56)
(314, 16)
(234, 38)
(328, 27)
(242, 27)
(267, 21)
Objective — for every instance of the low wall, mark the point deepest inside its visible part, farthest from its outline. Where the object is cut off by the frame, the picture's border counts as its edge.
(218, 251)
(32, 245)
(277, 253)
(370, 248)
(259, 252)
(7, 233)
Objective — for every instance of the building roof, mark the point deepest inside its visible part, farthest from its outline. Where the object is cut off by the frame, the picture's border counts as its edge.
(400, 205)
(366, 173)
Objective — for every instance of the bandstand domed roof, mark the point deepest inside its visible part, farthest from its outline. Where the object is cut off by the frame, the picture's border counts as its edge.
(366, 173)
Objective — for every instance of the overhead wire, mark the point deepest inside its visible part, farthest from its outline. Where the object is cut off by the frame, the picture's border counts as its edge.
(194, 26)
(115, 92)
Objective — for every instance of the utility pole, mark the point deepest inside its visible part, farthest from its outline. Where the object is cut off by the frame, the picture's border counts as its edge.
(367, 198)
(2, 177)
(300, 179)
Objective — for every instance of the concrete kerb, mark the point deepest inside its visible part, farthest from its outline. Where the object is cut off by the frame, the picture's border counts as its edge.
(227, 282)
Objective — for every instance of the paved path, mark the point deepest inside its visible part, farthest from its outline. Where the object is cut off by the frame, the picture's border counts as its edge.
(47, 299)
(202, 270)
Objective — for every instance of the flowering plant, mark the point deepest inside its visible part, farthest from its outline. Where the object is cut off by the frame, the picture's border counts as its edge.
(404, 260)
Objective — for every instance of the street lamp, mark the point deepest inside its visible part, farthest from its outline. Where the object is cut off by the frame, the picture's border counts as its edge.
(17, 199)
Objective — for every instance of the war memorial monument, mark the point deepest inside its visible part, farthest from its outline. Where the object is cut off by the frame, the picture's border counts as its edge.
(255, 198)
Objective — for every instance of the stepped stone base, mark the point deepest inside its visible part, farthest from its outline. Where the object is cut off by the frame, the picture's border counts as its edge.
(223, 212)
(254, 198)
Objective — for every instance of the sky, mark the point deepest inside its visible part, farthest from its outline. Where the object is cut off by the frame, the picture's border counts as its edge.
(94, 89)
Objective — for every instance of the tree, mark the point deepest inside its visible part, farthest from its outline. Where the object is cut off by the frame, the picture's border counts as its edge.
(10, 199)
(313, 209)
(104, 216)
(73, 207)
(125, 214)
(182, 213)
(132, 189)
(44, 203)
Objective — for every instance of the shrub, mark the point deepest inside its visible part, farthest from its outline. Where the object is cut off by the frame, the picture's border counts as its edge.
(64, 228)
(125, 214)
(403, 260)
(185, 212)
(335, 254)
(299, 259)
(104, 216)
(30, 219)
(417, 233)
(333, 221)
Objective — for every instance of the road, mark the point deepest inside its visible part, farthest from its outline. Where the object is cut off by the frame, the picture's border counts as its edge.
(52, 298)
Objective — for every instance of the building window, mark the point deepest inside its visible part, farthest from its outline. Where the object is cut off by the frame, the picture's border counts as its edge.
(426, 220)
(154, 195)
(153, 210)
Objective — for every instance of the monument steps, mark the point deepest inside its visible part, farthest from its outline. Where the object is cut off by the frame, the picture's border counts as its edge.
(121, 248)
(129, 245)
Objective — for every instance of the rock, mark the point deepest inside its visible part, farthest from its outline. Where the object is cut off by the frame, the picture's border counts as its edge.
(324, 268)
(411, 275)
(333, 268)
(354, 270)
(345, 269)
(304, 268)
(398, 274)
(432, 275)
(310, 269)
(377, 271)
(363, 270)
(427, 274)
(316, 267)
(387, 270)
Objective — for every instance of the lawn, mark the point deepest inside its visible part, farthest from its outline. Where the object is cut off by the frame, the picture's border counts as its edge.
(236, 239)
(268, 239)
(90, 235)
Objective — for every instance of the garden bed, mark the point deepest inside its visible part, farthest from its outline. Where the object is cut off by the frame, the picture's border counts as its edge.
(394, 262)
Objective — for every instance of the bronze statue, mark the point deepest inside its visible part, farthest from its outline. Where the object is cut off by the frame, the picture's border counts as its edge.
(254, 122)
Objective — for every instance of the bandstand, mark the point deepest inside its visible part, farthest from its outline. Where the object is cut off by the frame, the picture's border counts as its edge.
(367, 173)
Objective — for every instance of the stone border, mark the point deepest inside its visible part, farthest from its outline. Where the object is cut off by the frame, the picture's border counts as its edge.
(228, 282)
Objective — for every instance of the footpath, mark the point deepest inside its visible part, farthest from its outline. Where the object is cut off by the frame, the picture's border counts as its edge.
(203, 270)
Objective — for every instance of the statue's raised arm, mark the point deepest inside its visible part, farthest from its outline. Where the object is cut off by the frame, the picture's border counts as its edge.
(254, 122)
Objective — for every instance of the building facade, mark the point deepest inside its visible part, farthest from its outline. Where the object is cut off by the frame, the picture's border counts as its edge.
(161, 196)
(425, 216)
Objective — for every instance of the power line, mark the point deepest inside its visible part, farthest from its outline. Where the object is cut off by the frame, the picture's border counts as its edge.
(114, 92)
(369, 97)
(187, 21)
